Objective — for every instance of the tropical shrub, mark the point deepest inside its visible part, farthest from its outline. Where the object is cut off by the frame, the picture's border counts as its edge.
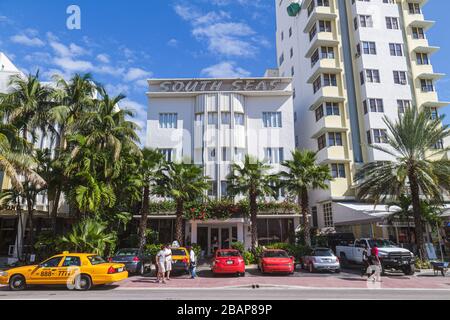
(238, 246)
(422, 264)
(90, 236)
(152, 249)
(47, 245)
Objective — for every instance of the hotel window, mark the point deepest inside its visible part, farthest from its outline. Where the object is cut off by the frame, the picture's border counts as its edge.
(371, 76)
(379, 135)
(374, 105)
(317, 84)
(324, 26)
(319, 113)
(226, 154)
(332, 109)
(199, 118)
(334, 139)
(422, 58)
(396, 49)
(212, 191)
(312, 32)
(168, 154)
(338, 170)
(369, 47)
(365, 21)
(439, 145)
(328, 215)
(434, 114)
(168, 120)
(238, 119)
(272, 119)
(212, 118)
(211, 154)
(274, 155)
(427, 85)
(329, 80)
(321, 142)
(327, 53)
(224, 188)
(402, 105)
(414, 8)
(400, 78)
(226, 118)
(418, 33)
(392, 23)
(239, 154)
(315, 57)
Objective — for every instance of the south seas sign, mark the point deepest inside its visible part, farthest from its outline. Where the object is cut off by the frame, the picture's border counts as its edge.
(220, 85)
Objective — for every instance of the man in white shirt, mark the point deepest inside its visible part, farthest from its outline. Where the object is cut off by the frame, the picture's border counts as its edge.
(161, 265)
(192, 262)
(168, 261)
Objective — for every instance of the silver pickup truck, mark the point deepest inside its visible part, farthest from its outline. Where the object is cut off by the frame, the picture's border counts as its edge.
(391, 256)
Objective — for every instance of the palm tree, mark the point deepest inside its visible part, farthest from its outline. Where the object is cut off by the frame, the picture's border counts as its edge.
(303, 175)
(150, 163)
(251, 178)
(71, 100)
(413, 142)
(181, 182)
(405, 212)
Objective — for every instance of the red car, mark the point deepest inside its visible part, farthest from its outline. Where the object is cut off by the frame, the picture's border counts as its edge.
(276, 261)
(228, 261)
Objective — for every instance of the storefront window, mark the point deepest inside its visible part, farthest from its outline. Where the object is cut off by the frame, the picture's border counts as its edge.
(275, 230)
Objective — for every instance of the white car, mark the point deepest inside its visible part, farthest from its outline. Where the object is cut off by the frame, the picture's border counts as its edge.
(321, 259)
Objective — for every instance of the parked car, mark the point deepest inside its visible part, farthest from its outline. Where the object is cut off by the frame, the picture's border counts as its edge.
(321, 259)
(80, 270)
(276, 261)
(228, 261)
(136, 262)
(391, 256)
(180, 260)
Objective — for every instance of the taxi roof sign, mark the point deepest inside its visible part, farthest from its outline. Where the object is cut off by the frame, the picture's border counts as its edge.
(66, 252)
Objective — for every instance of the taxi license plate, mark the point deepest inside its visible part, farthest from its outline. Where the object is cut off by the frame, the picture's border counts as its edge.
(120, 270)
(229, 262)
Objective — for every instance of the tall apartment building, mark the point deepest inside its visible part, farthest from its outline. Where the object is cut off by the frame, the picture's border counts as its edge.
(214, 123)
(352, 63)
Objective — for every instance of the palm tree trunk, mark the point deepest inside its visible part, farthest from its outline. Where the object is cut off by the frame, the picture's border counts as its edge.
(304, 206)
(179, 222)
(415, 197)
(254, 221)
(144, 216)
(31, 217)
(54, 213)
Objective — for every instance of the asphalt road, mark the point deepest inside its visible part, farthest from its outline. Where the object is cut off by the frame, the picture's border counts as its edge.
(262, 293)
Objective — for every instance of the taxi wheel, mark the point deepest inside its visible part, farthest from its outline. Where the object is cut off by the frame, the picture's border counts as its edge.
(17, 283)
(83, 282)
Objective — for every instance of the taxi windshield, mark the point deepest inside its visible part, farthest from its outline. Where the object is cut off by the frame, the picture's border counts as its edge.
(178, 252)
(95, 260)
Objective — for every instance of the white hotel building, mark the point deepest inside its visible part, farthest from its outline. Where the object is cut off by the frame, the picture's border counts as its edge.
(216, 122)
(353, 62)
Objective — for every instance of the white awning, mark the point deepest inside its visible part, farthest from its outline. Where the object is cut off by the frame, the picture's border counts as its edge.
(356, 213)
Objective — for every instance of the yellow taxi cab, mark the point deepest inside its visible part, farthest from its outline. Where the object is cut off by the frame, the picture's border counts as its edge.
(78, 271)
(180, 259)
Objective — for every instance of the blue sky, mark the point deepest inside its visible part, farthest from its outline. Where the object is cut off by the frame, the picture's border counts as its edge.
(124, 42)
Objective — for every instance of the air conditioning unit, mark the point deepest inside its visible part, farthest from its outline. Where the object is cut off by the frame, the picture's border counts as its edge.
(357, 55)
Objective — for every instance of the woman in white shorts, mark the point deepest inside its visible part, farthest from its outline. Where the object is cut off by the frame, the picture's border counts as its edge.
(161, 265)
(168, 255)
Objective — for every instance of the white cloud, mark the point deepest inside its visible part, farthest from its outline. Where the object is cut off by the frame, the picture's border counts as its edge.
(27, 41)
(103, 58)
(223, 37)
(172, 43)
(69, 64)
(136, 74)
(225, 69)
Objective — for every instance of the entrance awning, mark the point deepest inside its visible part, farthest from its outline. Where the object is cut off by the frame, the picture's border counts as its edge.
(357, 213)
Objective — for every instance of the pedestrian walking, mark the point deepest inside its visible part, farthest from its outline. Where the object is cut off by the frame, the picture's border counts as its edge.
(168, 255)
(161, 265)
(365, 260)
(375, 265)
(192, 263)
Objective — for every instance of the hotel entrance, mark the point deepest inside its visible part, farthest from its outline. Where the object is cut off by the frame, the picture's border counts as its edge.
(213, 237)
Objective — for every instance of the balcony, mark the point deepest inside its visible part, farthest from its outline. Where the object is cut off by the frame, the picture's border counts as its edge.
(328, 92)
(319, 13)
(419, 22)
(332, 155)
(324, 98)
(426, 49)
(324, 66)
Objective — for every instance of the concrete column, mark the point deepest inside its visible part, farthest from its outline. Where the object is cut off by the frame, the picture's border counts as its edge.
(21, 226)
(193, 232)
(240, 232)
